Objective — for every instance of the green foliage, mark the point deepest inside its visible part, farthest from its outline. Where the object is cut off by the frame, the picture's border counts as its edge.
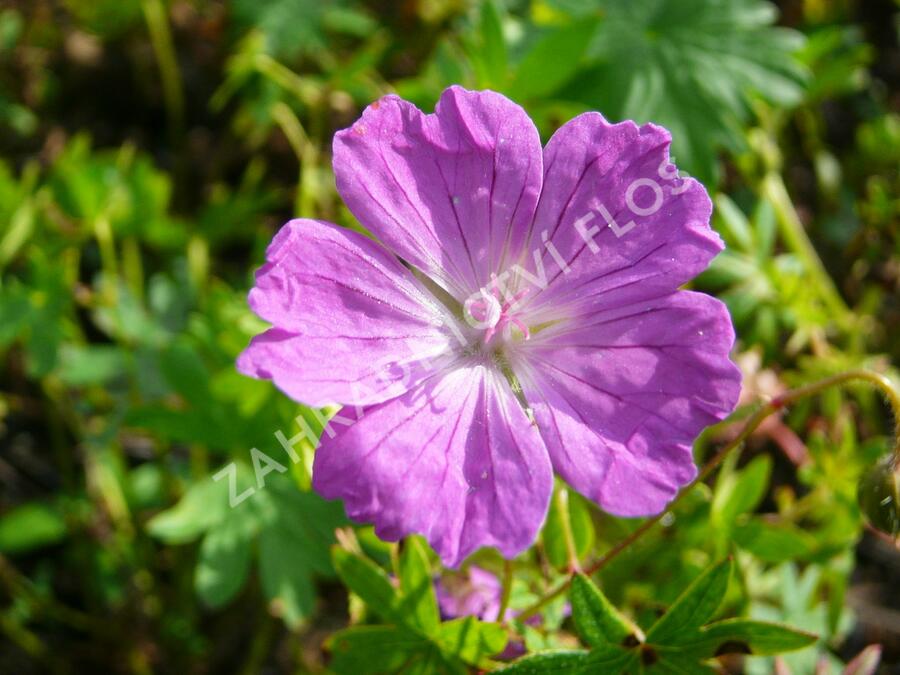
(148, 152)
(416, 641)
(678, 642)
(291, 529)
(31, 526)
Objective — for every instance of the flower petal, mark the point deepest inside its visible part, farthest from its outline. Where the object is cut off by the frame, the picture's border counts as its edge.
(456, 460)
(621, 396)
(624, 225)
(351, 324)
(452, 193)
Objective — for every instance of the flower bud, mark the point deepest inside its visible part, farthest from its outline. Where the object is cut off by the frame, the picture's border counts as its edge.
(879, 494)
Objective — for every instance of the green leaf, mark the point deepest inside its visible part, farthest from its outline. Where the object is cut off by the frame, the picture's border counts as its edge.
(692, 66)
(369, 582)
(680, 664)
(471, 640)
(774, 541)
(746, 636)
(294, 545)
(695, 606)
(611, 659)
(185, 373)
(557, 661)
(597, 621)
(741, 492)
(284, 574)
(204, 505)
(364, 650)
(224, 562)
(419, 602)
(552, 61)
(290, 27)
(95, 364)
(493, 47)
(31, 526)
(733, 224)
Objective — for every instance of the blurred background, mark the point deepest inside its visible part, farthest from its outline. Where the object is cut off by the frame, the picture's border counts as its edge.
(149, 149)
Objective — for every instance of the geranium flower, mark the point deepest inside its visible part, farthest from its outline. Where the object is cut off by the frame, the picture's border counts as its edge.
(520, 315)
(479, 593)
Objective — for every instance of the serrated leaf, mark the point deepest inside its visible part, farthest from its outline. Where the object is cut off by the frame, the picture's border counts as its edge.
(598, 622)
(692, 66)
(745, 636)
(419, 601)
(695, 606)
(558, 661)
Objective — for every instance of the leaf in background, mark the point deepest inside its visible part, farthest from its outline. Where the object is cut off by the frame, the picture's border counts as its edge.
(489, 56)
(293, 546)
(91, 364)
(552, 61)
(864, 663)
(742, 491)
(364, 650)
(299, 27)
(224, 561)
(31, 526)
(202, 507)
(689, 65)
(774, 541)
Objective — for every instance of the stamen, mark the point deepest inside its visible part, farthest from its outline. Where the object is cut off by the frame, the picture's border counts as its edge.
(521, 326)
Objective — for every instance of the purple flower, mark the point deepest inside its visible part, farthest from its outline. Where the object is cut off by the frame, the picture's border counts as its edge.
(520, 315)
(477, 594)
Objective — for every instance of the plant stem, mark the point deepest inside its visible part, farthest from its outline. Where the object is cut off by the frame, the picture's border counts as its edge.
(562, 504)
(775, 405)
(164, 48)
(797, 240)
(507, 590)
